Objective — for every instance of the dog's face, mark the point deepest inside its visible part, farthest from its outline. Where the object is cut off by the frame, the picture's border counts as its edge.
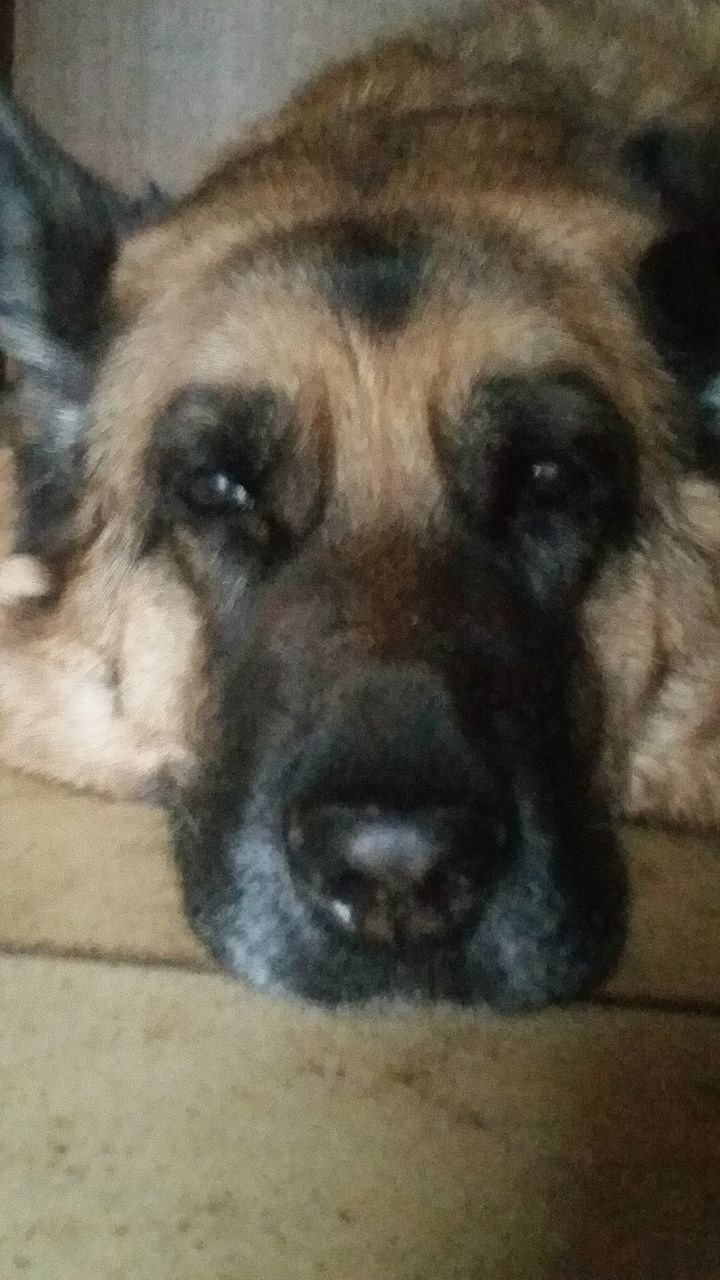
(390, 458)
(389, 468)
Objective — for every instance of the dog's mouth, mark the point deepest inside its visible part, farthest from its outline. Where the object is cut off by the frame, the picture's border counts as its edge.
(337, 905)
(392, 846)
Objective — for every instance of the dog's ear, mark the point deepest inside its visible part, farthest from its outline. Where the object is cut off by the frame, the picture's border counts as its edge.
(60, 231)
(679, 277)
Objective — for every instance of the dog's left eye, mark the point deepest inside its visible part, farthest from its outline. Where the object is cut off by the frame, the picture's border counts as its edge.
(542, 483)
(218, 493)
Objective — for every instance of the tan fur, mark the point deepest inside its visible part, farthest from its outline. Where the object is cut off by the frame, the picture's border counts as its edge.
(657, 637)
(104, 713)
(23, 577)
(99, 687)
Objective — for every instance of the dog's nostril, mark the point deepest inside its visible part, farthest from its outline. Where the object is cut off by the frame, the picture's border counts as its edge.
(398, 876)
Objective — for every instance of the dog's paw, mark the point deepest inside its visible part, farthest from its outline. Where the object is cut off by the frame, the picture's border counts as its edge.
(677, 793)
(23, 578)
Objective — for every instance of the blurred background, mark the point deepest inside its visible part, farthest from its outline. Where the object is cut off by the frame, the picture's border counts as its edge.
(149, 88)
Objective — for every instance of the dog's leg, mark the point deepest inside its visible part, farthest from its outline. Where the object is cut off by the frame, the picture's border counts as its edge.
(69, 714)
(674, 773)
(58, 708)
(100, 712)
(60, 717)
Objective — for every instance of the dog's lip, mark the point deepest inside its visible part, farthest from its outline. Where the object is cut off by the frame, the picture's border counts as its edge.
(415, 987)
(419, 977)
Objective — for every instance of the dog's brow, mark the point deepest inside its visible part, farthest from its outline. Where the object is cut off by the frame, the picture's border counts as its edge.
(202, 416)
(560, 398)
(373, 271)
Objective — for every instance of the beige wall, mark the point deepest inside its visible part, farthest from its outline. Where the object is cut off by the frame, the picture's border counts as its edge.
(143, 88)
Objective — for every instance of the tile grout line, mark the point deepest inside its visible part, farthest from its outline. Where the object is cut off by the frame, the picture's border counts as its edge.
(113, 959)
(657, 1004)
(128, 959)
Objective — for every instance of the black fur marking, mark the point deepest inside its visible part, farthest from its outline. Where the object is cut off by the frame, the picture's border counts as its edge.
(375, 275)
(679, 278)
(374, 271)
(545, 469)
(48, 484)
(679, 282)
(60, 230)
(680, 167)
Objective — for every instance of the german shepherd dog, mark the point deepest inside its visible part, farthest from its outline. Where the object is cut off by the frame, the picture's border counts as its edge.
(363, 499)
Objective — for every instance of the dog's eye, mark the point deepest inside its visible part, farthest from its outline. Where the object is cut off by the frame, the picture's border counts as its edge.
(545, 483)
(218, 501)
(549, 480)
(216, 493)
(534, 487)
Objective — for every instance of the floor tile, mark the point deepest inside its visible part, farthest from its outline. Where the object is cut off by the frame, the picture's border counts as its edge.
(161, 1125)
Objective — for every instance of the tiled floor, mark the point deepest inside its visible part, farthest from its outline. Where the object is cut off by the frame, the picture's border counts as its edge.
(160, 1123)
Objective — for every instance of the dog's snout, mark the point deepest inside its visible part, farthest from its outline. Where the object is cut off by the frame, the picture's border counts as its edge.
(395, 876)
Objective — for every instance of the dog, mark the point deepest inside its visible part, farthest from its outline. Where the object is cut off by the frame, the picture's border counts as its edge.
(363, 502)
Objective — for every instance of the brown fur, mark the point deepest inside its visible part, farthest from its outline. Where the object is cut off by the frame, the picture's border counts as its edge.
(490, 128)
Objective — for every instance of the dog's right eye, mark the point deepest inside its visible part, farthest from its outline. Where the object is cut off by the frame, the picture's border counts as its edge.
(215, 493)
(215, 456)
(219, 501)
(219, 504)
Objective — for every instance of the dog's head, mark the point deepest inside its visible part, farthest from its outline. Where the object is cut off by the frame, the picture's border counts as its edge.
(385, 397)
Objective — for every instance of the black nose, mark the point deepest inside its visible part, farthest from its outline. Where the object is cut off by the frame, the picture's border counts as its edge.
(392, 875)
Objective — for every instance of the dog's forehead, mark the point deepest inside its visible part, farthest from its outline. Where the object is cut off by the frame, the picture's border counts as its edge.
(370, 327)
(368, 308)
